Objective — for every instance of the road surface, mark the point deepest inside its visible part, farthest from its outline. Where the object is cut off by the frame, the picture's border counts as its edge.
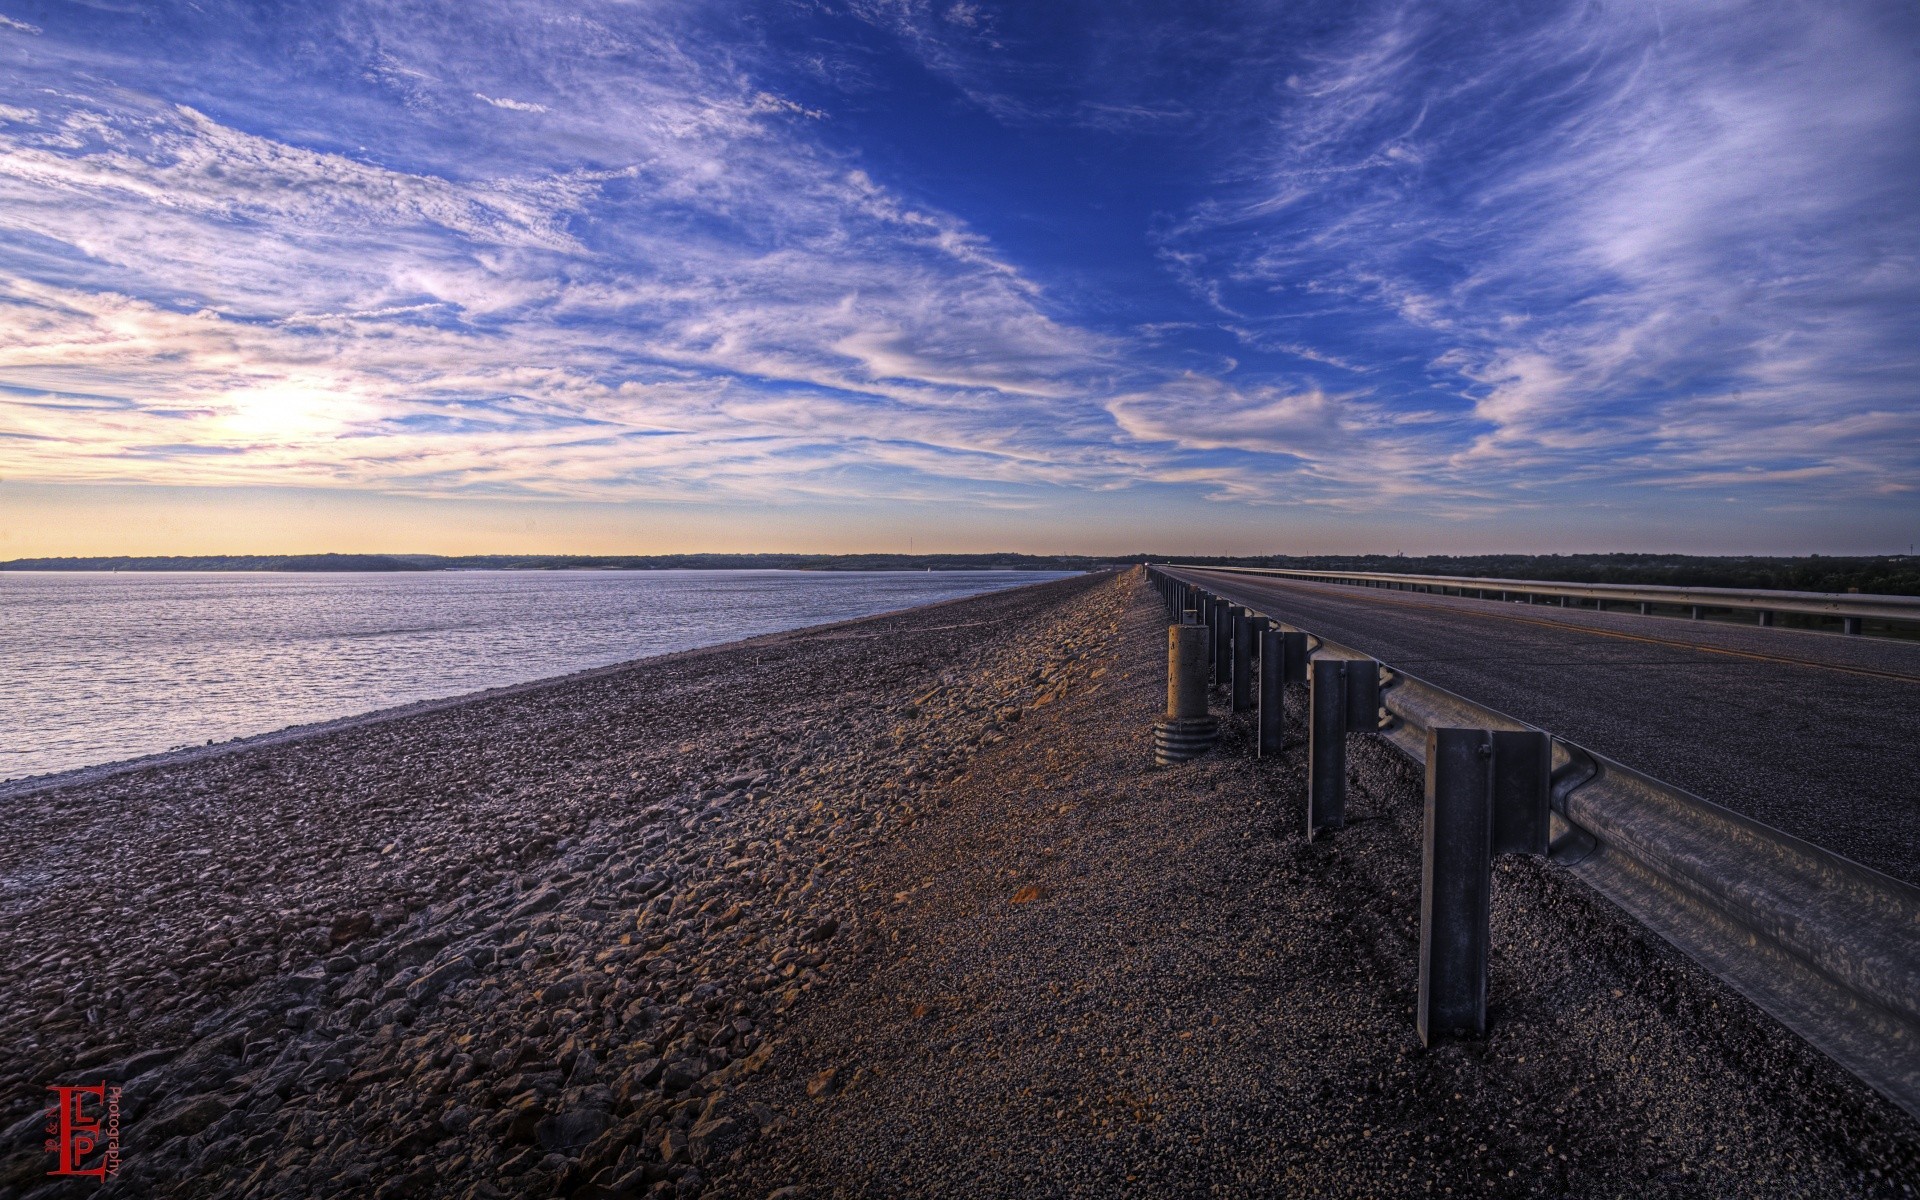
(1816, 734)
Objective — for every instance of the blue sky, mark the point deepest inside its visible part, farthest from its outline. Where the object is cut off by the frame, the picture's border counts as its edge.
(1226, 276)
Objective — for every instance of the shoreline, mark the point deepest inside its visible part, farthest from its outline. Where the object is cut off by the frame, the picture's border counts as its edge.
(28, 785)
(891, 907)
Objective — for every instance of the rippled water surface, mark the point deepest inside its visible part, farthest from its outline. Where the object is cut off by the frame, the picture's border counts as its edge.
(100, 667)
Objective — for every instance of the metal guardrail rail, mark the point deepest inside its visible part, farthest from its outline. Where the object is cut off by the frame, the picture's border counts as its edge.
(1828, 947)
(1848, 608)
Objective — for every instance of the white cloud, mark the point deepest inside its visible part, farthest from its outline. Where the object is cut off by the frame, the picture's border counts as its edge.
(525, 106)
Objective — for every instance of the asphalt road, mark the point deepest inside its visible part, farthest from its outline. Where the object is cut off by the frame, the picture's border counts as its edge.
(1817, 734)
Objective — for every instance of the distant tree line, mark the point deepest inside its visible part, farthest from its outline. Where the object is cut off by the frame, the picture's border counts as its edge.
(1887, 575)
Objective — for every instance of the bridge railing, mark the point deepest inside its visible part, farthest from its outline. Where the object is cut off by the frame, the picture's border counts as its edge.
(1828, 947)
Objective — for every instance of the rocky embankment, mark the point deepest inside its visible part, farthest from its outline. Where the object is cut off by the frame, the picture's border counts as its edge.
(893, 908)
(505, 948)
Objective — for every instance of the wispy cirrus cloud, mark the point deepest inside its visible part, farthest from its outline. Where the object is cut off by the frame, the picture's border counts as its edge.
(654, 323)
(1631, 242)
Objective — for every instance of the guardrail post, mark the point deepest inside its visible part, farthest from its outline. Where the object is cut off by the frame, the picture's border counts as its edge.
(1766, 617)
(1343, 696)
(1850, 625)
(1487, 793)
(1456, 884)
(1646, 608)
(1273, 692)
(1326, 746)
(1694, 612)
(1257, 626)
(1222, 643)
(1522, 791)
(1209, 615)
(1363, 695)
(1294, 655)
(1242, 659)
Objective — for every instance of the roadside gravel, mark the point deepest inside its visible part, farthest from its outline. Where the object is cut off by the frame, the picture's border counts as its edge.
(1101, 979)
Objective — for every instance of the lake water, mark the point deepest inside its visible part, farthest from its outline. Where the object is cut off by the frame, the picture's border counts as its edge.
(98, 667)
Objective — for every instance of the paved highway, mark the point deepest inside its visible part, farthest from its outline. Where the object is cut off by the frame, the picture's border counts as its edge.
(1816, 734)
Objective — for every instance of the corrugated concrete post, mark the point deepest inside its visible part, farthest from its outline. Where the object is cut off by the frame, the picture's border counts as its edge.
(1273, 694)
(1456, 884)
(1242, 659)
(1326, 746)
(1186, 731)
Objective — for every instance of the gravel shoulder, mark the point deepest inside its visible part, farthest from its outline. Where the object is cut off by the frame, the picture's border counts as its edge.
(888, 908)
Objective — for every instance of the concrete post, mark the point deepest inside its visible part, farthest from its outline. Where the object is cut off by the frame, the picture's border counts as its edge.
(1186, 672)
(1456, 884)
(1326, 746)
(1242, 659)
(1186, 731)
(1273, 694)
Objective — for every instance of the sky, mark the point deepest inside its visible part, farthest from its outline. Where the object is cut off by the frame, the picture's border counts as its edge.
(631, 276)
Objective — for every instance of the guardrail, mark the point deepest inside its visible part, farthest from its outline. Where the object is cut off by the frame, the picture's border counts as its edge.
(1851, 609)
(1828, 947)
